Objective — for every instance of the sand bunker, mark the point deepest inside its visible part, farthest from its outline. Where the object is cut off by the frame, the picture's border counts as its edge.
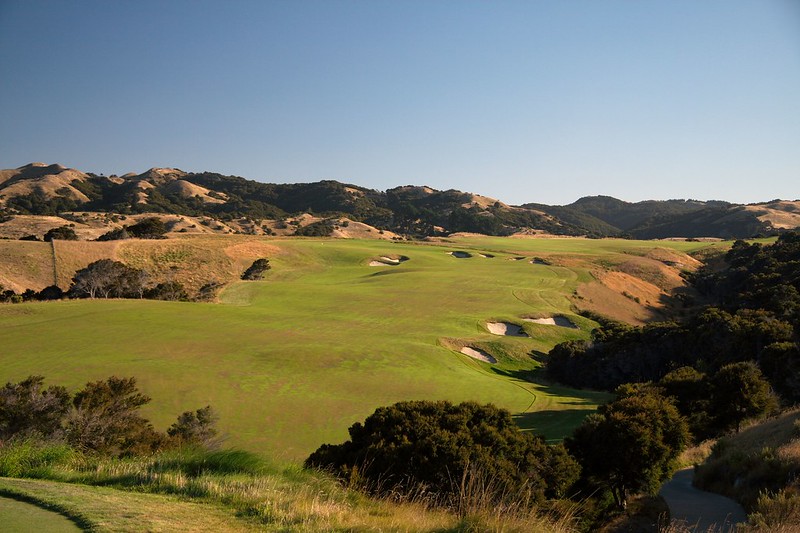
(516, 258)
(478, 354)
(505, 328)
(385, 260)
(487, 256)
(553, 321)
(461, 255)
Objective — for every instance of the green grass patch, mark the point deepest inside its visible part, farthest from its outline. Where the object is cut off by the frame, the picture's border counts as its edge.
(292, 361)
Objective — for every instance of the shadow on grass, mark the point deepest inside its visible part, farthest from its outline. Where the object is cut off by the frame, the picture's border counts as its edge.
(552, 424)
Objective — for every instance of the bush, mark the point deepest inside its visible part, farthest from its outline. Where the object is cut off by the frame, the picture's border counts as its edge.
(170, 291)
(195, 428)
(256, 270)
(64, 233)
(433, 446)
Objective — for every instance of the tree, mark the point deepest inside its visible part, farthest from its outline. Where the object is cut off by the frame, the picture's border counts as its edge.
(64, 233)
(105, 419)
(433, 446)
(108, 279)
(169, 290)
(148, 228)
(51, 292)
(689, 389)
(195, 428)
(739, 391)
(257, 269)
(630, 445)
(27, 409)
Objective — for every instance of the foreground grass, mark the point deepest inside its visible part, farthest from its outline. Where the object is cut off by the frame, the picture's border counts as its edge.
(168, 493)
(20, 516)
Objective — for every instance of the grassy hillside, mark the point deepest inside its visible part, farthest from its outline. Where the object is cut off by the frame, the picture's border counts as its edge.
(292, 361)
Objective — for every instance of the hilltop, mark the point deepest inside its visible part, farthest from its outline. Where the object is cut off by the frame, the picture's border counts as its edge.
(207, 202)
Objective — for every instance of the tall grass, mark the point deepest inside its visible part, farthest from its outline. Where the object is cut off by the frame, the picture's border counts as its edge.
(281, 498)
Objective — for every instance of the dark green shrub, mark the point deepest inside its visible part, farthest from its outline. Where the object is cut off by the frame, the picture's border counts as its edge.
(195, 428)
(433, 446)
(64, 233)
(170, 291)
(256, 270)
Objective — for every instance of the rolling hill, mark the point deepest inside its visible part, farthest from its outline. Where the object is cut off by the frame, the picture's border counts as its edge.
(239, 205)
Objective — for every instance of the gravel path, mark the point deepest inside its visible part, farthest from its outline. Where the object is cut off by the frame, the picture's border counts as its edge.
(698, 510)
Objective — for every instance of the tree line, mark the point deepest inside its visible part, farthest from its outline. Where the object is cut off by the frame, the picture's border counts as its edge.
(101, 418)
(107, 278)
(733, 351)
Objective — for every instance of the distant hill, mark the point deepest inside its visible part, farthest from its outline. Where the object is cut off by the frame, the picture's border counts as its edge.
(653, 219)
(234, 202)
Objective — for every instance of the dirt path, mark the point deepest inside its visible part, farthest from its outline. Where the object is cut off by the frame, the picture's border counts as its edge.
(698, 510)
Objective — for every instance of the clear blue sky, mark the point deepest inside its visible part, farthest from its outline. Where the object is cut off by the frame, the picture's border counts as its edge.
(525, 101)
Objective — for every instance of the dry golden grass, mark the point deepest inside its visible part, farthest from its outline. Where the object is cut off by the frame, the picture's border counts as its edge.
(72, 256)
(620, 296)
(783, 215)
(696, 454)
(25, 264)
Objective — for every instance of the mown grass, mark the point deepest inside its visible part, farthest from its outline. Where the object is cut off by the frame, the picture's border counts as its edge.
(19, 515)
(291, 362)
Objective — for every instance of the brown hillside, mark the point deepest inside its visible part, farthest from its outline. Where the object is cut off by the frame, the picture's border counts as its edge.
(636, 290)
(50, 180)
(780, 214)
(190, 190)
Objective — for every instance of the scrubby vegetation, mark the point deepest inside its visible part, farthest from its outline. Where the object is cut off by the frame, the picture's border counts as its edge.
(102, 418)
(257, 270)
(148, 228)
(433, 447)
(722, 365)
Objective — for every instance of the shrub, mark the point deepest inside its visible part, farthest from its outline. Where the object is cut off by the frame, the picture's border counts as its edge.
(256, 270)
(195, 428)
(148, 228)
(106, 419)
(64, 233)
(170, 291)
(28, 409)
(433, 446)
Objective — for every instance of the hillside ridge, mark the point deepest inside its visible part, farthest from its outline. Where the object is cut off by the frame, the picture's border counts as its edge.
(40, 189)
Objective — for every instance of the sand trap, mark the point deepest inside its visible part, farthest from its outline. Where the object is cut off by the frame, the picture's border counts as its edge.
(553, 321)
(487, 256)
(461, 255)
(478, 354)
(516, 258)
(505, 328)
(385, 260)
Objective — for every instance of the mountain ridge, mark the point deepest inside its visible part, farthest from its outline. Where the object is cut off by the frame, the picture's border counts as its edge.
(42, 189)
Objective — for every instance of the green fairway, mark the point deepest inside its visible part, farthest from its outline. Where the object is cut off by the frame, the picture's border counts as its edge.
(24, 517)
(290, 362)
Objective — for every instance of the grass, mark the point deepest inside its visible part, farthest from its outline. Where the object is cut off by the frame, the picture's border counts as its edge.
(18, 515)
(166, 493)
(291, 362)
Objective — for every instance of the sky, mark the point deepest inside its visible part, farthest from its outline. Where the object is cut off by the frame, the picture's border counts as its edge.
(524, 101)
